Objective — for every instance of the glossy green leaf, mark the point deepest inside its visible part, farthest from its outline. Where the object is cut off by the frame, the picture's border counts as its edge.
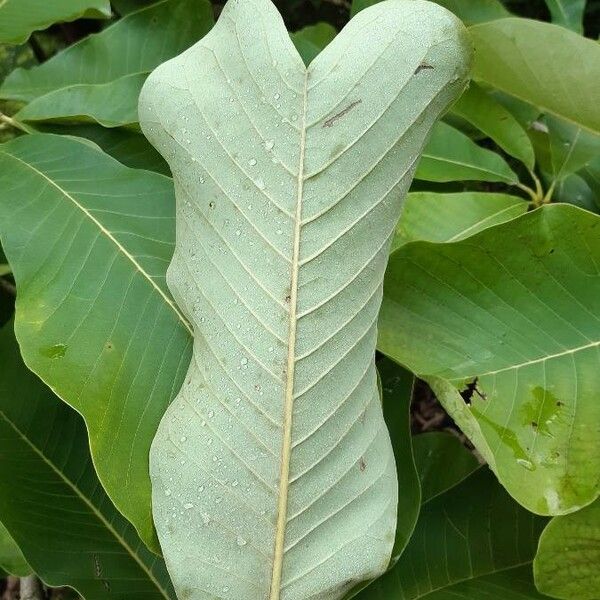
(452, 156)
(55, 508)
(310, 40)
(514, 308)
(467, 10)
(543, 64)
(111, 104)
(442, 463)
(439, 217)
(280, 170)
(19, 18)
(481, 110)
(11, 558)
(89, 241)
(574, 189)
(99, 78)
(473, 542)
(128, 147)
(566, 564)
(124, 7)
(568, 13)
(397, 388)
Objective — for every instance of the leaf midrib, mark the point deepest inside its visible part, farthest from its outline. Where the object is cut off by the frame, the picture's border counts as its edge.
(284, 478)
(110, 236)
(88, 503)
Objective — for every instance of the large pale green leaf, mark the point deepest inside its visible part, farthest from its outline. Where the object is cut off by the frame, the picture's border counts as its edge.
(452, 156)
(52, 503)
(568, 557)
(543, 64)
(19, 18)
(310, 40)
(100, 77)
(89, 241)
(439, 217)
(514, 308)
(11, 558)
(481, 110)
(469, 11)
(472, 542)
(276, 447)
(568, 13)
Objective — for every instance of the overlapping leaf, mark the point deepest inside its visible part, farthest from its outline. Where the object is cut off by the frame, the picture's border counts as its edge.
(452, 156)
(99, 78)
(54, 507)
(543, 64)
(310, 40)
(279, 172)
(471, 541)
(566, 564)
(515, 310)
(19, 18)
(11, 558)
(439, 217)
(568, 13)
(88, 240)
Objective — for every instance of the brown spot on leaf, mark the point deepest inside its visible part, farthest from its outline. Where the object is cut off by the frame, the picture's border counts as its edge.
(423, 67)
(331, 121)
(362, 465)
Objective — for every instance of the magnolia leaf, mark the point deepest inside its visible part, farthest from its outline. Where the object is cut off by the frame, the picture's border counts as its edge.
(574, 189)
(124, 7)
(452, 156)
(442, 463)
(513, 309)
(481, 110)
(54, 506)
(568, 13)
(274, 459)
(543, 64)
(566, 564)
(129, 147)
(11, 558)
(471, 541)
(89, 240)
(310, 40)
(468, 11)
(19, 18)
(100, 77)
(438, 217)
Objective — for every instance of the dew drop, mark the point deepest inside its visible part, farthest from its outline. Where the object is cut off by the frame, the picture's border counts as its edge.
(241, 541)
(527, 464)
(277, 96)
(183, 438)
(211, 414)
(260, 184)
(244, 361)
(205, 518)
(238, 232)
(252, 162)
(168, 492)
(188, 505)
(269, 144)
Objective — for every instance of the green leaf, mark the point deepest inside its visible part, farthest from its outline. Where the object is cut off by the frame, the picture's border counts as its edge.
(124, 7)
(129, 147)
(310, 40)
(543, 64)
(568, 13)
(100, 77)
(481, 110)
(513, 308)
(442, 463)
(452, 156)
(5, 269)
(11, 558)
(276, 180)
(55, 508)
(566, 564)
(111, 104)
(89, 241)
(472, 541)
(19, 18)
(397, 387)
(574, 189)
(468, 11)
(439, 217)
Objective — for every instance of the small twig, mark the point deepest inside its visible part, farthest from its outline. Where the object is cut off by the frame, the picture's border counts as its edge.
(535, 199)
(548, 197)
(31, 588)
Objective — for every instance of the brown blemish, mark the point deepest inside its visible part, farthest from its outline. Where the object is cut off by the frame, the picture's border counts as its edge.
(422, 67)
(330, 122)
(362, 465)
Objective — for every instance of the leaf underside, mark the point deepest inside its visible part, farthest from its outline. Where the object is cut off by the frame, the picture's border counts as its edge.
(273, 473)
